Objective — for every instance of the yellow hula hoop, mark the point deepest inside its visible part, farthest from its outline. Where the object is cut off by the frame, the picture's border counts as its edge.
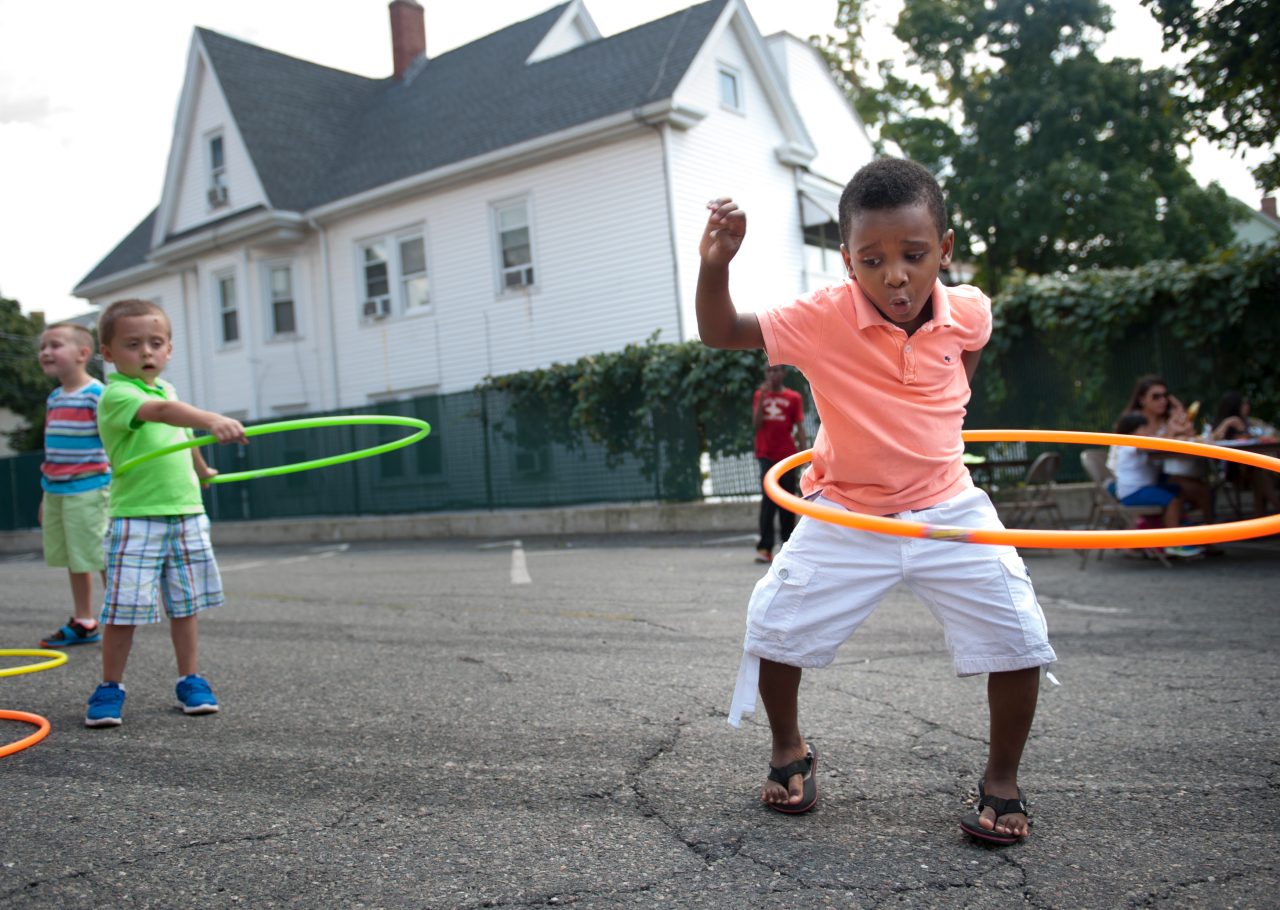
(57, 659)
(1047, 539)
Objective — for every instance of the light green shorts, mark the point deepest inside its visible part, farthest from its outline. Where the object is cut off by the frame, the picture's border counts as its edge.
(74, 529)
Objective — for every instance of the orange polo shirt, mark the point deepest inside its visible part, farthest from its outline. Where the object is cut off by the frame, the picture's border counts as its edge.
(891, 406)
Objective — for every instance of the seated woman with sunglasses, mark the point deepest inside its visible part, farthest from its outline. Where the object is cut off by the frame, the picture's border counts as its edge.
(1167, 417)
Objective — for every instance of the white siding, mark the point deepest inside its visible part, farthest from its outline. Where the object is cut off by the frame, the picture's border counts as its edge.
(731, 154)
(602, 268)
(842, 143)
(191, 207)
(182, 369)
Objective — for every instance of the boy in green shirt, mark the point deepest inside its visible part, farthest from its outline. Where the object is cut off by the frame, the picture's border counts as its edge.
(159, 534)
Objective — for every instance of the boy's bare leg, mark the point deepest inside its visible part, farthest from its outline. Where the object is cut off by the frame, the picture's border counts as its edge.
(779, 690)
(116, 643)
(1011, 698)
(184, 632)
(82, 594)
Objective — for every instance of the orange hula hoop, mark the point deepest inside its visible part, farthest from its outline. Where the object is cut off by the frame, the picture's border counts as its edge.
(1047, 539)
(25, 742)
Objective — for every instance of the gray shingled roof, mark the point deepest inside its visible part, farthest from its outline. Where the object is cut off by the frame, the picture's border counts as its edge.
(317, 135)
(130, 252)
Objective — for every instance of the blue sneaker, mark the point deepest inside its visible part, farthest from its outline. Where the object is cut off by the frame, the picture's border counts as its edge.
(195, 696)
(72, 634)
(104, 706)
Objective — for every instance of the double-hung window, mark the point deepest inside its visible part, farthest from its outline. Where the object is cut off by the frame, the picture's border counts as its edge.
(283, 312)
(228, 309)
(393, 276)
(217, 157)
(413, 272)
(730, 89)
(515, 244)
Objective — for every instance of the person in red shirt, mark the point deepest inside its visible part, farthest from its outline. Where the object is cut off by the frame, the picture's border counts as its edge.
(777, 413)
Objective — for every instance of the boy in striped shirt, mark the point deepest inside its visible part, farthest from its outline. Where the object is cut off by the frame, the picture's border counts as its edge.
(75, 476)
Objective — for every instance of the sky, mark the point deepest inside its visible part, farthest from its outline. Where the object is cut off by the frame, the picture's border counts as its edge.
(89, 90)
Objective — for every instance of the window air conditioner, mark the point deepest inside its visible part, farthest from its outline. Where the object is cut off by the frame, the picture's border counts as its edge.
(217, 195)
(376, 308)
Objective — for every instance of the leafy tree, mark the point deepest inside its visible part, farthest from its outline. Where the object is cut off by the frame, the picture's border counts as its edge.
(23, 386)
(1232, 49)
(1053, 160)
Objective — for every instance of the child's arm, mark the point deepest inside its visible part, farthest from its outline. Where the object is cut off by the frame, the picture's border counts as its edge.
(970, 360)
(719, 323)
(181, 414)
(203, 471)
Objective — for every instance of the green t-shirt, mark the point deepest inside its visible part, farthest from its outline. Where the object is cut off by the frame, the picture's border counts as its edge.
(165, 486)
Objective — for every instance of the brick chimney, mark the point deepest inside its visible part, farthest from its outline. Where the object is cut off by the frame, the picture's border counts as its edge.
(1269, 207)
(408, 35)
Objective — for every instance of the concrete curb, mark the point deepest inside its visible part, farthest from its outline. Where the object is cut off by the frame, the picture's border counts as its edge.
(610, 518)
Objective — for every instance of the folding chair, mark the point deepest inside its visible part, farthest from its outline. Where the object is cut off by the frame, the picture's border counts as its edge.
(1036, 493)
(1107, 511)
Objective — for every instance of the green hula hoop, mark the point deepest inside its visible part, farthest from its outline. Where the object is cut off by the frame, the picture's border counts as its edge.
(282, 426)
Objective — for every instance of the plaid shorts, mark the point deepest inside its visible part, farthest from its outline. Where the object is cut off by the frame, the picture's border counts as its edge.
(172, 553)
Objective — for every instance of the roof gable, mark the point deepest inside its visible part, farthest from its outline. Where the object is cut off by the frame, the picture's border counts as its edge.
(574, 29)
(315, 135)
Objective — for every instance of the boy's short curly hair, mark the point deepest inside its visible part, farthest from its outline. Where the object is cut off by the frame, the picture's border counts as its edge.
(890, 183)
(122, 309)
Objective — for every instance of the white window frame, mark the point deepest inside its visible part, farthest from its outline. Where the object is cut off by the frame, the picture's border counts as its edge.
(268, 296)
(726, 74)
(403, 278)
(221, 309)
(217, 193)
(529, 281)
(395, 302)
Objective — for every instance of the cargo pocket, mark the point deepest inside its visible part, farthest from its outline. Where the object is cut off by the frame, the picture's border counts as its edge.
(1023, 598)
(777, 599)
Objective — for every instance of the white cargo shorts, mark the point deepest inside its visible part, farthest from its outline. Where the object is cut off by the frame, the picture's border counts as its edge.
(828, 579)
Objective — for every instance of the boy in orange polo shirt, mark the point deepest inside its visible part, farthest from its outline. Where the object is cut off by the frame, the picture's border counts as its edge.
(888, 354)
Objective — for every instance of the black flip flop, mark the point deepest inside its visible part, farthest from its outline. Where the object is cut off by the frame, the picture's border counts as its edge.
(807, 766)
(971, 825)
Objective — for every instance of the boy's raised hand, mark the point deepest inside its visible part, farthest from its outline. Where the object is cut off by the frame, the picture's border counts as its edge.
(726, 227)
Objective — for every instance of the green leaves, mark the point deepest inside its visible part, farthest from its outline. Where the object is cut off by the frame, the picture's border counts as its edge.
(1052, 160)
(23, 385)
(623, 399)
(1231, 48)
(1212, 326)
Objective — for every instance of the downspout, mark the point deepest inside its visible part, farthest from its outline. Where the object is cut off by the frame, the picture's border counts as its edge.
(672, 233)
(196, 390)
(328, 305)
(804, 256)
(250, 345)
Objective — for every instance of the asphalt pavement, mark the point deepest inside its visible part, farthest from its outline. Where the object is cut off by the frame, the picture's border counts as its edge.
(542, 723)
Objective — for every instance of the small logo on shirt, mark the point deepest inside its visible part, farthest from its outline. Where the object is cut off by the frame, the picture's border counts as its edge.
(946, 358)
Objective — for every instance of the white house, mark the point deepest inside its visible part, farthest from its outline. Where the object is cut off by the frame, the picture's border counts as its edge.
(325, 240)
(1258, 227)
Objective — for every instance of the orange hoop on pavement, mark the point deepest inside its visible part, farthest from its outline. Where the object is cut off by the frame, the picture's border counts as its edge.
(1046, 539)
(31, 740)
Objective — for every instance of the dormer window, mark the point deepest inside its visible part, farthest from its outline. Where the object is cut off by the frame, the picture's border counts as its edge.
(730, 89)
(217, 171)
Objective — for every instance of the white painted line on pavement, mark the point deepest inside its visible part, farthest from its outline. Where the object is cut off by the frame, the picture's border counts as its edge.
(737, 538)
(1080, 608)
(519, 568)
(332, 548)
